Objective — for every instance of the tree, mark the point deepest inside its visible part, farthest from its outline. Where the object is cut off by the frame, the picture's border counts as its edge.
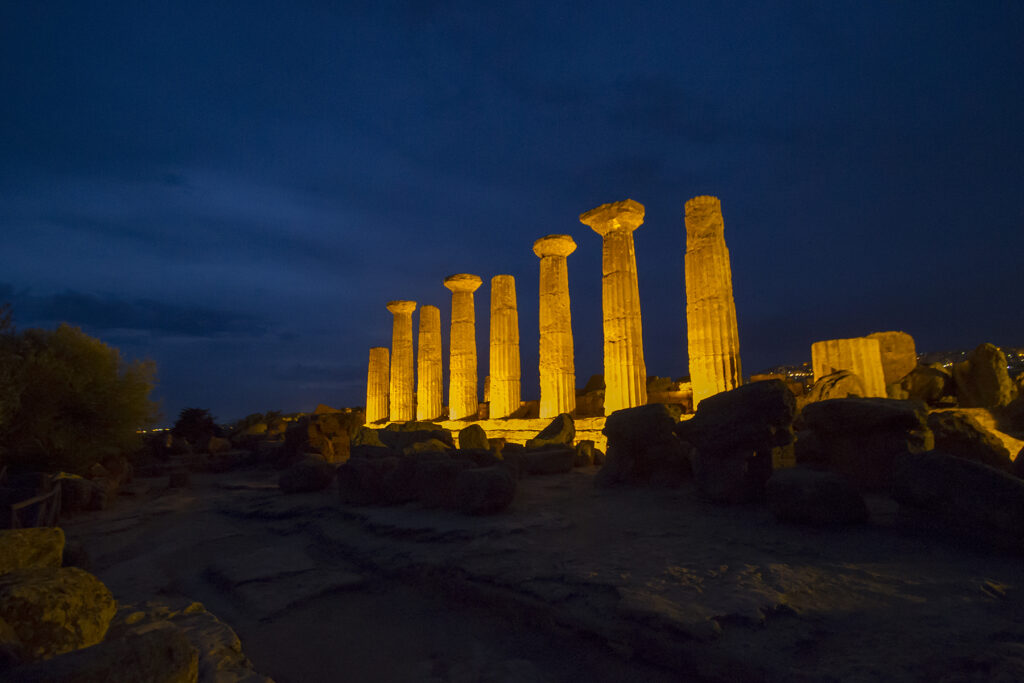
(75, 402)
(196, 425)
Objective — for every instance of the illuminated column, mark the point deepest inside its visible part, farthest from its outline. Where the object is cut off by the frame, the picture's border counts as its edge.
(625, 375)
(504, 381)
(860, 355)
(463, 401)
(428, 365)
(712, 335)
(377, 385)
(557, 363)
(402, 409)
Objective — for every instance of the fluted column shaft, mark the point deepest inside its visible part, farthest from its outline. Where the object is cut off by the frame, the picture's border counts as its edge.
(377, 385)
(429, 401)
(463, 399)
(711, 330)
(402, 401)
(505, 382)
(625, 373)
(557, 354)
(859, 355)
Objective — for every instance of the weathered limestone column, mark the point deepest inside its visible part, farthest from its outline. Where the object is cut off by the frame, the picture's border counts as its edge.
(463, 400)
(557, 356)
(377, 389)
(429, 401)
(860, 355)
(402, 408)
(712, 336)
(625, 374)
(504, 384)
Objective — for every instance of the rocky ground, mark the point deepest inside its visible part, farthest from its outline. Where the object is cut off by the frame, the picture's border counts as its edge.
(570, 583)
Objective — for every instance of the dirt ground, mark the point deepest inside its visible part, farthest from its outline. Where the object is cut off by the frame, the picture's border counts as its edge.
(571, 583)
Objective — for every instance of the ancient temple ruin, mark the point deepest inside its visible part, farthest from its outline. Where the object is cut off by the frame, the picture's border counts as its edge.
(377, 379)
(860, 355)
(429, 390)
(463, 396)
(625, 374)
(401, 385)
(557, 363)
(713, 342)
(503, 390)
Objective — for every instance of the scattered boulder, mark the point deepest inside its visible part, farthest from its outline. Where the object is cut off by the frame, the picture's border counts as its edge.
(366, 436)
(162, 654)
(584, 453)
(804, 496)
(642, 448)
(739, 437)
(960, 435)
(401, 439)
(838, 384)
(963, 496)
(982, 380)
(473, 437)
(484, 490)
(899, 354)
(861, 438)
(308, 474)
(929, 383)
(361, 481)
(40, 547)
(434, 481)
(555, 459)
(329, 434)
(428, 446)
(55, 610)
(561, 432)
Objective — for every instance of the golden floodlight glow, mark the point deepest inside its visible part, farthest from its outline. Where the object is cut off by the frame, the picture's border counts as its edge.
(377, 389)
(625, 374)
(463, 400)
(713, 341)
(429, 402)
(402, 408)
(557, 357)
(860, 355)
(504, 385)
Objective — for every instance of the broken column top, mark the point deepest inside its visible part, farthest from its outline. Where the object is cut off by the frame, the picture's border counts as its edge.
(704, 216)
(401, 306)
(554, 245)
(463, 282)
(626, 214)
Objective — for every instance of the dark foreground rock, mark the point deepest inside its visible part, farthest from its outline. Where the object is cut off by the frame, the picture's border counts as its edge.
(965, 497)
(982, 380)
(643, 449)
(805, 496)
(561, 432)
(484, 490)
(308, 474)
(31, 548)
(960, 435)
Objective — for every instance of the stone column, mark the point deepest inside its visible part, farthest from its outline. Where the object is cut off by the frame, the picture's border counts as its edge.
(504, 379)
(463, 401)
(402, 408)
(625, 374)
(557, 357)
(712, 335)
(860, 355)
(377, 389)
(429, 402)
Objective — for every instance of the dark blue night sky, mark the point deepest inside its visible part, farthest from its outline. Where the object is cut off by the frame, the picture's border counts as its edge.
(236, 189)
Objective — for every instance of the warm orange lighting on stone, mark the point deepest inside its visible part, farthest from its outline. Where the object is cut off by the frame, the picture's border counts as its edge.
(859, 355)
(377, 390)
(463, 400)
(504, 385)
(402, 408)
(625, 374)
(429, 401)
(899, 354)
(557, 360)
(713, 342)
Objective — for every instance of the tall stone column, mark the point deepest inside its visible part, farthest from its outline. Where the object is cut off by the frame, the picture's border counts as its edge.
(402, 408)
(463, 400)
(557, 356)
(712, 335)
(625, 374)
(504, 384)
(429, 402)
(860, 355)
(377, 389)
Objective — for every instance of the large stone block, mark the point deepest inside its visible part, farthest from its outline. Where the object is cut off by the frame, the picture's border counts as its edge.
(560, 432)
(643, 450)
(982, 380)
(31, 548)
(899, 354)
(485, 490)
(960, 435)
(860, 355)
(55, 610)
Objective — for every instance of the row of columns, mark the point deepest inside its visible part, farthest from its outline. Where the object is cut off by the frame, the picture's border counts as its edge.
(711, 314)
